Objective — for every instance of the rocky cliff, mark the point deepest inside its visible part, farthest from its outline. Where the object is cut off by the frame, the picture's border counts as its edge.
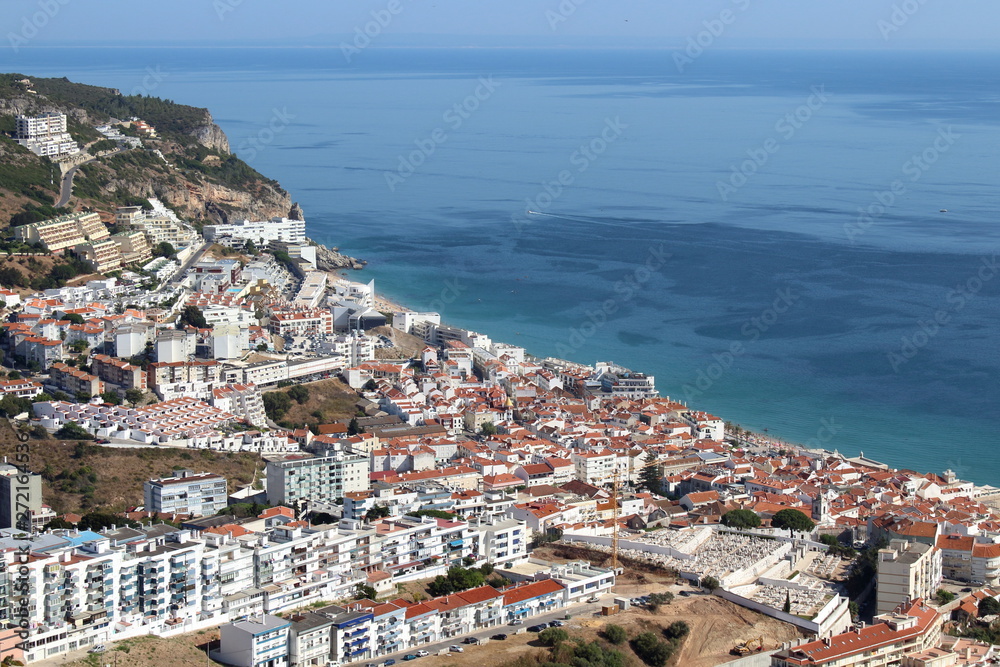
(188, 165)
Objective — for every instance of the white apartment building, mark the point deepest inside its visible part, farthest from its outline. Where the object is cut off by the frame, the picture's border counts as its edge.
(243, 400)
(46, 135)
(260, 232)
(186, 492)
(255, 642)
(906, 571)
(304, 477)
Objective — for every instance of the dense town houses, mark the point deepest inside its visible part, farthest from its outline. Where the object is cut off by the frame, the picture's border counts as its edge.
(464, 455)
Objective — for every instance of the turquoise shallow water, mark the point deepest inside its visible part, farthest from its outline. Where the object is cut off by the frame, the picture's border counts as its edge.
(765, 297)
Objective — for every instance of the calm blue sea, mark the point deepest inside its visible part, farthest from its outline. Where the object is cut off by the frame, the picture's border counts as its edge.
(762, 232)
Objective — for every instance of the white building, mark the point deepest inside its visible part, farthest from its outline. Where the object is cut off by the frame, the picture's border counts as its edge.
(186, 492)
(173, 346)
(260, 232)
(255, 642)
(304, 477)
(907, 571)
(46, 135)
(229, 341)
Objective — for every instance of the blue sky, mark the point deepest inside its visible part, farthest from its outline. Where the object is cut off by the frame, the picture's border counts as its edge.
(667, 23)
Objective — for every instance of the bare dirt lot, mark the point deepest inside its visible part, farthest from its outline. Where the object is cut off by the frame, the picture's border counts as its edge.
(716, 626)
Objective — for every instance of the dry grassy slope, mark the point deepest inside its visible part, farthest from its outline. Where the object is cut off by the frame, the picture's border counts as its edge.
(406, 346)
(116, 475)
(332, 398)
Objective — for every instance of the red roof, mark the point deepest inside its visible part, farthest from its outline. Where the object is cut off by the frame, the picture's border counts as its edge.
(529, 591)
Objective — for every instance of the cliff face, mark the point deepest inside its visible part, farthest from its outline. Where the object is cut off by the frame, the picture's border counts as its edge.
(211, 135)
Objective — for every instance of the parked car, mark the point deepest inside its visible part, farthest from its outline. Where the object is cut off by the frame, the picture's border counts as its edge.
(409, 656)
(499, 637)
(100, 648)
(512, 623)
(556, 624)
(455, 648)
(537, 628)
(966, 590)
(471, 640)
(422, 653)
(389, 662)
(686, 593)
(594, 599)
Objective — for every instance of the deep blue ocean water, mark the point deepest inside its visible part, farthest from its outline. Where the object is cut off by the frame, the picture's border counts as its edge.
(762, 296)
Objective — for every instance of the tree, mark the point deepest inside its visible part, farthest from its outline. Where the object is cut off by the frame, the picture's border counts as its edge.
(192, 316)
(787, 607)
(656, 600)
(651, 475)
(363, 591)
(276, 404)
(793, 520)
(14, 375)
(741, 519)
(652, 650)
(299, 394)
(133, 396)
(353, 428)
(944, 596)
(677, 630)
(488, 429)
(79, 346)
(58, 523)
(73, 431)
(854, 610)
(553, 636)
(989, 607)
(614, 633)
(377, 512)
(111, 398)
(250, 248)
(164, 249)
(75, 318)
(711, 583)
(82, 396)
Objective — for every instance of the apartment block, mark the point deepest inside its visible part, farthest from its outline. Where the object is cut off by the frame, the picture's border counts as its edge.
(260, 232)
(311, 323)
(186, 492)
(243, 400)
(19, 493)
(66, 231)
(46, 135)
(118, 372)
(906, 571)
(255, 642)
(297, 477)
(102, 255)
(73, 380)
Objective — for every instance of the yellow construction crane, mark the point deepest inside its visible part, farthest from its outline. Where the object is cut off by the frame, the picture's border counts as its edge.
(616, 505)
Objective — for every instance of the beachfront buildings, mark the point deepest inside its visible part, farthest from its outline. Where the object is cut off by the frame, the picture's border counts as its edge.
(260, 232)
(46, 135)
(186, 492)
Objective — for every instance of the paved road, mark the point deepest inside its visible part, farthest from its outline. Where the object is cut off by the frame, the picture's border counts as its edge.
(195, 258)
(66, 187)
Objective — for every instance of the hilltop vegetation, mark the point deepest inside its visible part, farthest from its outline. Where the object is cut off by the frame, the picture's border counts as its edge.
(193, 170)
